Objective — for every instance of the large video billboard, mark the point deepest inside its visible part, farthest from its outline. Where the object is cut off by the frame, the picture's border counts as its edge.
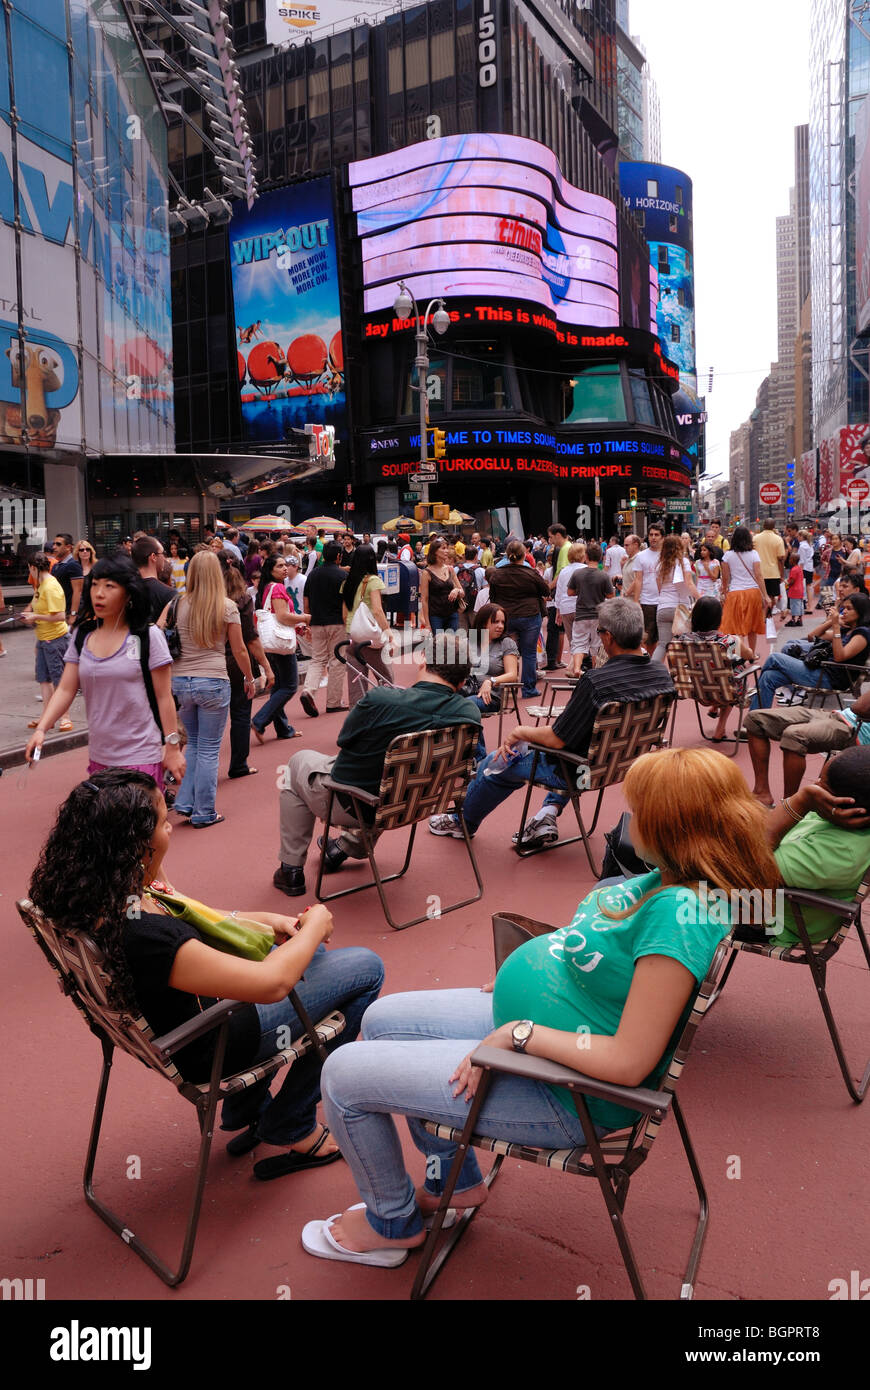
(294, 21)
(85, 326)
(662, 198)
(488, 216)
(288, 314)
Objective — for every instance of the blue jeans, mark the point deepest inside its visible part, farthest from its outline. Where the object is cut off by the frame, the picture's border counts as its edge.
(203, 706)
(526, 632)
(412, 1045)
(286, 672)
(349, 980)
(492, 708)
(450, 624)
(784, 670)
(488, 790)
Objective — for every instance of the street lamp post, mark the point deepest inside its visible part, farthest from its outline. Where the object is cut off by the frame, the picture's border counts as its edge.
(404, 307)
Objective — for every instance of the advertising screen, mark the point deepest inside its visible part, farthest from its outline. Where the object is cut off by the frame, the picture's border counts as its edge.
(85, 336)
(491, 216)
(289, 21)
(287, 310)
(663, 196)
(628, 457)
(676, 307)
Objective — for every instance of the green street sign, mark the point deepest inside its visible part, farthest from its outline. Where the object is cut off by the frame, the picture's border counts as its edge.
(681, 505)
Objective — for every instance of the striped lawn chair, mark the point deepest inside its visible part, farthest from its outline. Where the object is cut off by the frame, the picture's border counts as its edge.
(425, 774)
(83, 974)
(612, 1160)
(702, 672)
(622, 732)
(815, 955)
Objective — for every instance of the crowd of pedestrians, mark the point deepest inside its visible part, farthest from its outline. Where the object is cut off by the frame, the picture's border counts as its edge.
(169, 647)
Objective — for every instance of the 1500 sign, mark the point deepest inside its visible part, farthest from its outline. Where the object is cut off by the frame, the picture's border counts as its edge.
(486, 46)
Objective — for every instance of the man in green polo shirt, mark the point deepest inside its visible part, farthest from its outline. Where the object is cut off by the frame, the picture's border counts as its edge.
(432, 702)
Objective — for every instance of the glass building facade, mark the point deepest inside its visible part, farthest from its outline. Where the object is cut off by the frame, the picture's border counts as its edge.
(85, 310)
(839, 81)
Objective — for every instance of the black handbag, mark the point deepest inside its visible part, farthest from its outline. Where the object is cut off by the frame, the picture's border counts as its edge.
(818, 652)
(171, 633)
(621, 859)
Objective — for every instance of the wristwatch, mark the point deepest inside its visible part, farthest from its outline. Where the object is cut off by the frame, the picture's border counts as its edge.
(173, 739)
(521, 1033)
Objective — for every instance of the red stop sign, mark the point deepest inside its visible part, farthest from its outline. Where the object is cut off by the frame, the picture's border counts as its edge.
(858, 490)
(770, 494)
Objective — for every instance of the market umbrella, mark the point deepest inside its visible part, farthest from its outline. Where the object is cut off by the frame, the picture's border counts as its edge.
(321, 523)
(457, 518)
(268, 523)
(402, 523)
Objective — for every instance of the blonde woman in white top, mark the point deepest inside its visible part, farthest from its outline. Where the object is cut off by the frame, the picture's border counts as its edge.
(206, 620)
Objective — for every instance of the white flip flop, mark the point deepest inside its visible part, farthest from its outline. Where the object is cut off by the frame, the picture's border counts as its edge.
(318, 1240)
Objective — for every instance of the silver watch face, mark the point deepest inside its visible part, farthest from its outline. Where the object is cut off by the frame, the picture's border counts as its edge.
(173, 739)
(522, 1032)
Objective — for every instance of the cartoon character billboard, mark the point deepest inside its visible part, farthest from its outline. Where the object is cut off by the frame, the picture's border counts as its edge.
(288, 316)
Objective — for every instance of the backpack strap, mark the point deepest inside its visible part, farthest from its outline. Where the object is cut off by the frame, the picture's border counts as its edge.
(144, 654)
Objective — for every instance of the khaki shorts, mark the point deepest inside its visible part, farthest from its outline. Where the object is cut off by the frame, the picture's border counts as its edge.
(801, 730)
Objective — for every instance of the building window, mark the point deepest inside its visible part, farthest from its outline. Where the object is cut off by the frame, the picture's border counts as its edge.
(644, 411)
(678, 195)
(681, 298)
(652, 188)
(673, 222)
(594, 394)
(675, 332)
(480, 384)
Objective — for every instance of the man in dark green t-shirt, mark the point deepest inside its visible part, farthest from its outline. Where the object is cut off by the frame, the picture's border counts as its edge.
(432, 702)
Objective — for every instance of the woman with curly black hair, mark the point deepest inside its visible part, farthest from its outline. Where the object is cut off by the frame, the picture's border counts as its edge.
(102, 871)
(121, 663)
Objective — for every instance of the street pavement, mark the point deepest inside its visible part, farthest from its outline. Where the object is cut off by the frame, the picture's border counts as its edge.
(782, 1148)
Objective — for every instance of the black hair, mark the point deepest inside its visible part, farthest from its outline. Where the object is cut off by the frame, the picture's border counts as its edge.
(448, 656)
(331, 552)
(741, 541)
(849, 775)
(861, 604)
(266, 579)
(118, 568)
(90, 870)
(706, 614)
(363, 562)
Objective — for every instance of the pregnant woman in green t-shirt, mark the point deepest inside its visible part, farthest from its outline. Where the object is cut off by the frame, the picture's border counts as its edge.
(605, 995)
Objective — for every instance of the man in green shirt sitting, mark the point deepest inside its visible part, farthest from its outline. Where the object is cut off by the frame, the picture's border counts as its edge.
(432, 702)
(821, 842)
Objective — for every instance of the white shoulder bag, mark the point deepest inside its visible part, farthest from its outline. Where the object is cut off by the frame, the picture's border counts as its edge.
(275, 637)
(363, 626)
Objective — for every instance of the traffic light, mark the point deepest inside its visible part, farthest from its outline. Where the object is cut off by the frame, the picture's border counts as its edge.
(439, 444)
(440, 510)
(420, 512)
(632, 496)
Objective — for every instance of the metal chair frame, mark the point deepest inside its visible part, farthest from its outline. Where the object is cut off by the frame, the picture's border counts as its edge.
(157, 1054)
(575, 769)
(691, 684)
(611, 1160)
(816, 956)
(856, 675)
(365, 803)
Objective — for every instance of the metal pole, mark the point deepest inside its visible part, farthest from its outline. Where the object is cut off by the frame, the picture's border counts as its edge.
(422, 375)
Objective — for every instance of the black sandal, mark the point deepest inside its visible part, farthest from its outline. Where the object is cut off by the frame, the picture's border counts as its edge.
(282, 1165)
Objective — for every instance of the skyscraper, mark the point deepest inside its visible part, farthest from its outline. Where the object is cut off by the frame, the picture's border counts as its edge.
(839, 80)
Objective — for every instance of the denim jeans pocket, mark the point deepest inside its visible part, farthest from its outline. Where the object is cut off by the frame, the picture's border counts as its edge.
(210, 692)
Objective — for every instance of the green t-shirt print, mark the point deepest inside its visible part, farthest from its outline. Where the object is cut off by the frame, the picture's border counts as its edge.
(578, 978)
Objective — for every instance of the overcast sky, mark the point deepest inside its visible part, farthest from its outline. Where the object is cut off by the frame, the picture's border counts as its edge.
(733, 82)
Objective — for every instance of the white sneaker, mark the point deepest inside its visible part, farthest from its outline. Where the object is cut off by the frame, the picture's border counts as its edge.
(541, 831)
(446, 825)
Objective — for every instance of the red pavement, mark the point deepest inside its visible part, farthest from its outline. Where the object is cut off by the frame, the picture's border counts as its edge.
(762, 1096)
